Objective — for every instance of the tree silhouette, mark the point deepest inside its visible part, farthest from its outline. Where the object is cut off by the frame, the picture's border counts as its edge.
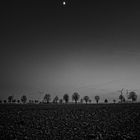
(55, 100)
(132, 95)
(121, 97)
(36, 101)
(66, 98)
(23, 99)
(10, 99)
(90, 101)
(75, 96)
(61, 101)
(47, 98)
(123, 100)
(106, 101)
(5, 101)
(18, 101)
(14, 101)
(97, 98)
(86, 99)
(81, 100)
(114, 101)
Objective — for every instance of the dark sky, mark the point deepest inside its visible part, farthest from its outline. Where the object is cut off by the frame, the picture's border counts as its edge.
(85, 46)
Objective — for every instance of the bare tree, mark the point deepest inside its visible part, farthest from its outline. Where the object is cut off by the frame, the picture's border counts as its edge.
(122, 99)
(23, 99)
(66, 98)
(47, 98)
(55, 100)
(86, 98)
(97, 98)
(10, 99)
(75, 96)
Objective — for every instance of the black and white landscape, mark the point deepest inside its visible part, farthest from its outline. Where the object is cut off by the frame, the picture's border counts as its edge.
(54, 48)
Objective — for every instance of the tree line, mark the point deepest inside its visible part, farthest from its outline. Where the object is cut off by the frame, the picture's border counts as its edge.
(75, 97)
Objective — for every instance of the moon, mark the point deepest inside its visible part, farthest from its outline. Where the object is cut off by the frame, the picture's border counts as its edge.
(64, 3)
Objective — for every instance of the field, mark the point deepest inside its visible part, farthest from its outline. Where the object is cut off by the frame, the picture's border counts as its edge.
(81, 121)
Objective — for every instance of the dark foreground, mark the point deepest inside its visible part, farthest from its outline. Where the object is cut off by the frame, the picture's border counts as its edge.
(58, 122)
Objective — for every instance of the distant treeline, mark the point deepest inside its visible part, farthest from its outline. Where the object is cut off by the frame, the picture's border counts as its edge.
(132, 95)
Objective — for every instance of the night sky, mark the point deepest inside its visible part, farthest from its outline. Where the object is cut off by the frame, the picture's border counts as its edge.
(84, 46)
